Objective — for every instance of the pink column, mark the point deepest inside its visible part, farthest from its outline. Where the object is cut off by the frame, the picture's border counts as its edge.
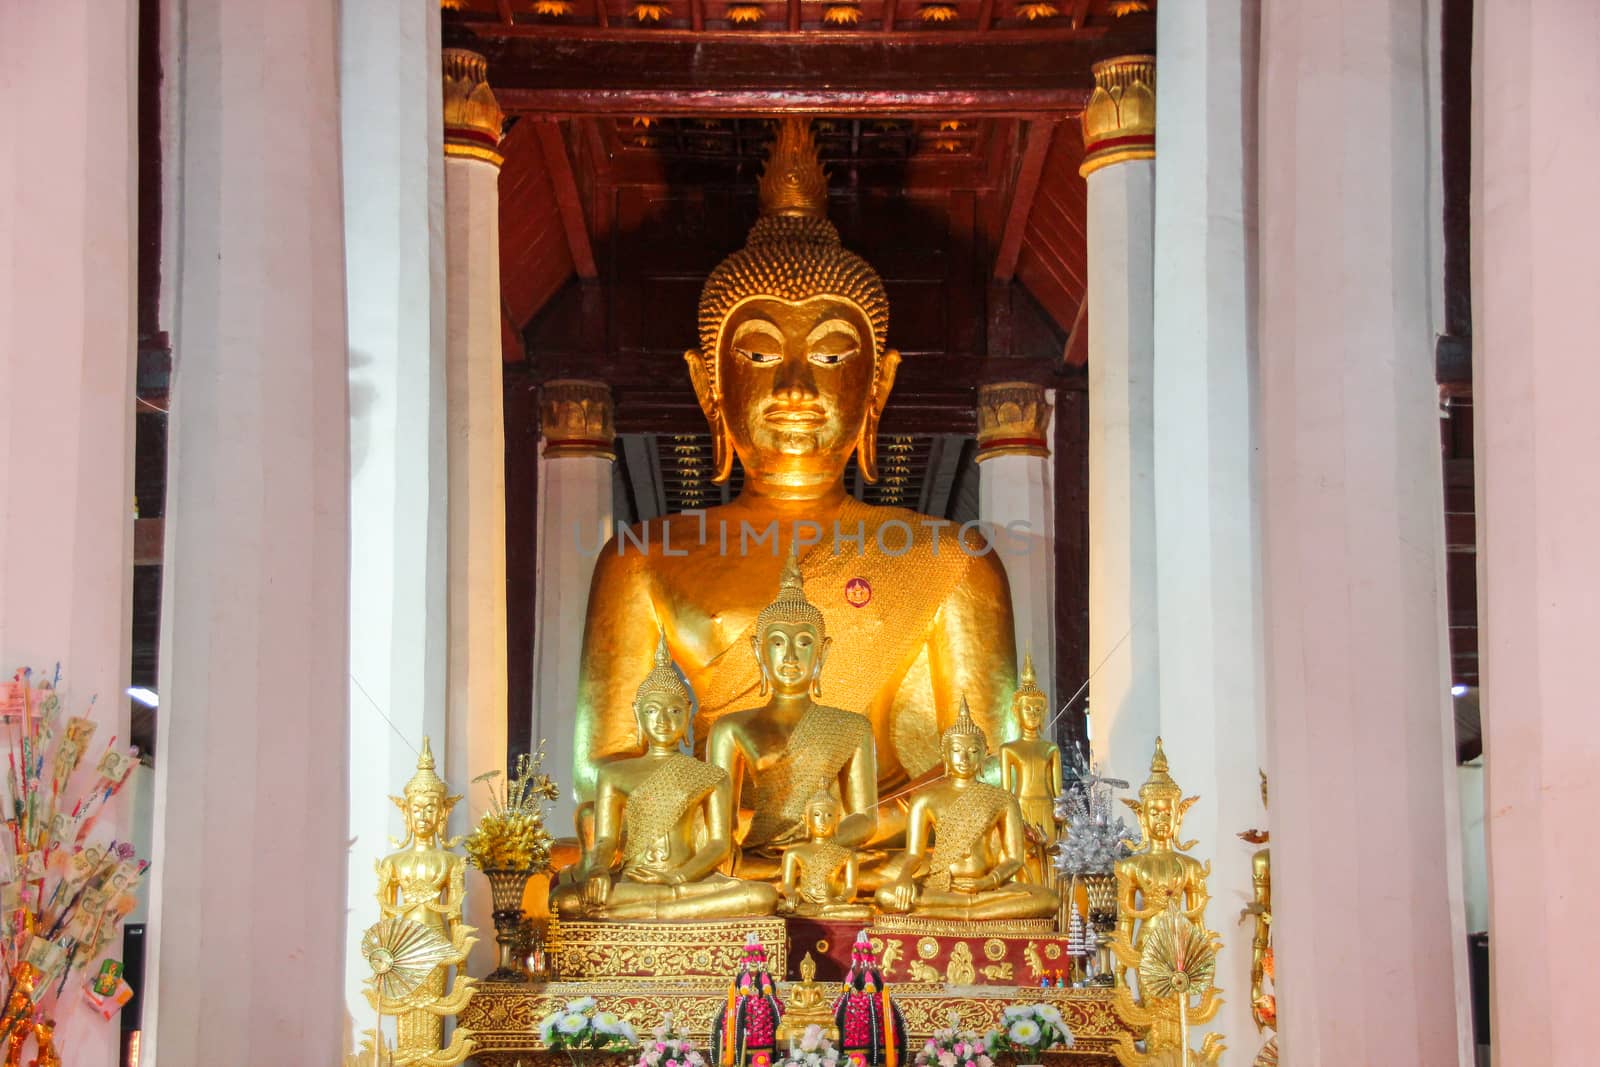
(251, 805)
(1353, 543)
(67, 184)
(1537, 144)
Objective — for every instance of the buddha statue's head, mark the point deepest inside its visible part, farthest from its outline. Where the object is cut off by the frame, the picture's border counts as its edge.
(1029, 702)
(791, 638)
(662, 705)
(824, 810)
(426, 800)
(793, 370)
(964, 746)
(1161, 805)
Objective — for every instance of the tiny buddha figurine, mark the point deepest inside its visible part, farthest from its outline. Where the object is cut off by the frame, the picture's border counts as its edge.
(807, 1006)
(745, 1031)
(1159, 872)
(977, 844)
(776, 753)
(424, 883)
(819, 875)
(1263, 1004)
(1030, 770)
(872, 1030)
(662, 826)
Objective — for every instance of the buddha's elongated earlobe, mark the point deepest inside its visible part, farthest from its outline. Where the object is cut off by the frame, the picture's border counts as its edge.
(867, 443)
(766, 681)
(710, 398)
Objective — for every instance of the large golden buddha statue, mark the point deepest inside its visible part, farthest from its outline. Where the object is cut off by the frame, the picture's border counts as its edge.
(778, 752)
(662, 827)
(793, 374)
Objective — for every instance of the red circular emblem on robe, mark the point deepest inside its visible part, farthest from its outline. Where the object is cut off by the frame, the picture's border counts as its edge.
(858, 591)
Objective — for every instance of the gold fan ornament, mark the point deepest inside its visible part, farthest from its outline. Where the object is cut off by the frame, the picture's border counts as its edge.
(650, 11)
(402, 954)
(1037, 10)
(553, 9)
(937, 13)
(842, 15)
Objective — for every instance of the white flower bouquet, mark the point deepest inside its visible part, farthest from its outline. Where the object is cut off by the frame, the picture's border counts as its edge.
(669, 1047)
(1026, 1031)
(953, 1047)
(581, 1028)
(812, 1050)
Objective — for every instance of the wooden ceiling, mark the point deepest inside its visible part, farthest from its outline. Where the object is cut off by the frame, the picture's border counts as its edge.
(953, 148)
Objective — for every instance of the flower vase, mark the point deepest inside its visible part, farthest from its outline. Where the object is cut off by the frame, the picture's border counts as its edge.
(505, 891)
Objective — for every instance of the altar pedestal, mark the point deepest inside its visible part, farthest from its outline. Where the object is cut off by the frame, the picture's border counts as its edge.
(504, 1018)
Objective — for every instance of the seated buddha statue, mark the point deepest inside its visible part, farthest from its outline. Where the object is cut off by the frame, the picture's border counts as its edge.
(965, 844)
(819, 875)
(662, 826)
(792, 373)
(1159, 872)
(1030, 769)
(778, 753)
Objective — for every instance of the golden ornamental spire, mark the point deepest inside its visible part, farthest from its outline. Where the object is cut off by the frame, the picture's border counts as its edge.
(793, 181)
(663, 677)
(1028, 685)
(964, 726)
(791, 605)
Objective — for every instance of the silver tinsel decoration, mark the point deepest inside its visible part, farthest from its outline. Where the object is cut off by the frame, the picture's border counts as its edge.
(1097, 837)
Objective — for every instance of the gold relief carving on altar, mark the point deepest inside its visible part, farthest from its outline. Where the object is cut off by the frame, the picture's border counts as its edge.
(658, 952)
(994, 949)
(921, 972)
(927, 948)
(576, 419)
(890, 954)
(959, 970)
(997, 972)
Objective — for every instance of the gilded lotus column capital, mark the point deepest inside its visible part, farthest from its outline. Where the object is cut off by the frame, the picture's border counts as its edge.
(472, 116)
(1013, 420)
(1120, 122)
(576, 419)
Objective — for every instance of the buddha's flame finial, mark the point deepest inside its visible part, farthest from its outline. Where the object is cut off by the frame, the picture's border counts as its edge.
(964, 726)
(793, 181)
(1028, 684)
(663, 678)
(791, 605)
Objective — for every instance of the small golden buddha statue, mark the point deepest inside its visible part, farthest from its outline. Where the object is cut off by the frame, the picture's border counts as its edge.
(425, 883)
(809, 1003)
(1159, 872)
(819, 875)
(1263, 1005)
(663, 824)
(1030, 769)
(778, 752)
(975, 831)
(793, 372)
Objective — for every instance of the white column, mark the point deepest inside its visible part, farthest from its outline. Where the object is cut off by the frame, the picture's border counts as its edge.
(1534, 278)
(1365, 872)
(575, 521)
(248, 907)
(477, 464)
(67, 210)
(1119, 165)
(394, 290)
(1207, 572)
(1016, 494)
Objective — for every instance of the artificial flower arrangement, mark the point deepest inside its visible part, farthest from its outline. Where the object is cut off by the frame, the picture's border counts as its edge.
(671, 1047)
(954, 1047)
(64, 891)
(1026, 1031)
(512, 836)
(581, 1028)
(812, 1050)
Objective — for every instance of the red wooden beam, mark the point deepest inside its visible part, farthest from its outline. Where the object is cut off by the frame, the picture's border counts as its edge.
(1034, 151)
(506, 17)
(1076, 351)
(1080, 12)
(888, 16)
(567, 200)
(794, 16)
(697, 15)
(665, 103)
(985, 15)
